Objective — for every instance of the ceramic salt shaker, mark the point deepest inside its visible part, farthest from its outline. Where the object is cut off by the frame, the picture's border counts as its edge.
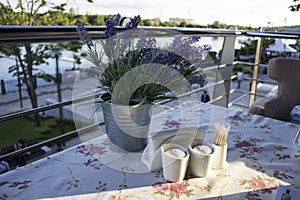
(201, 158)
(174, 161)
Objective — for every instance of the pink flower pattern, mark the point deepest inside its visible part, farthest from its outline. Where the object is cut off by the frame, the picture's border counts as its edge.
(172, 190)
(250, 150)
(178, 189)
(247, 145)
(91, 149)
(171, 124)
(95, 149)
(112, 197)
(259, 185)
(240, 118)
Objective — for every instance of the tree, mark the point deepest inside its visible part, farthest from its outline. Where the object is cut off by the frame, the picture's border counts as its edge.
(295, 7)
(249, 46)
(147, 22)
(29, 56)
(183, 24)
(218, 24)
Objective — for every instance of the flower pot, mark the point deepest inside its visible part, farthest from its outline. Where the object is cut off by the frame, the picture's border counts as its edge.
(127, 126)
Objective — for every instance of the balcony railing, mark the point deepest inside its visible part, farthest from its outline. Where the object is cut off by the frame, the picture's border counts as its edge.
(24, 34)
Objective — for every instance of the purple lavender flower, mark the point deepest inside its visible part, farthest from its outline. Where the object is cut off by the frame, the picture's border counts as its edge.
(111, 30)
(167, 66)
(169, 58)
(144, 41)
(127, 35)
(186, 47)
(133, 23)
(84, 36)
(198, 79)
(195, 38)
(111, 24)
(125, 42)
(207, 47)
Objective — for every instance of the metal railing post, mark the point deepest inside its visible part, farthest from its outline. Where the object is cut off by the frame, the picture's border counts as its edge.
(3, 90)
(57, 52)
(227, 58)
(19, 83)
(256, 70)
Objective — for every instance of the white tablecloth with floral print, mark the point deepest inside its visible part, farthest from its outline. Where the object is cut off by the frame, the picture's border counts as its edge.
(261, 155)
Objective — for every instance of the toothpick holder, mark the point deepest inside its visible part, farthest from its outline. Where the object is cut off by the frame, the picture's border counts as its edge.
(220, 161)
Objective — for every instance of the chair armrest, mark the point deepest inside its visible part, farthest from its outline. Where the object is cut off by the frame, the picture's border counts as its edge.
(272, 107)
(258, 107)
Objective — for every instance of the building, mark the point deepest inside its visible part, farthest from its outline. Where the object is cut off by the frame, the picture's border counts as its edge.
(181, 20)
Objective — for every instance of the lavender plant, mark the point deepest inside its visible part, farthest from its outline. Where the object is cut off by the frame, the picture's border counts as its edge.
(122, 53)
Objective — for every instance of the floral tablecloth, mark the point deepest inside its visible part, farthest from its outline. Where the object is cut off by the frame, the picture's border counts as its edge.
(261, 155)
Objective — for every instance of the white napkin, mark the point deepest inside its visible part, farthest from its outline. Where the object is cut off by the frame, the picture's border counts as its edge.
(151, 156)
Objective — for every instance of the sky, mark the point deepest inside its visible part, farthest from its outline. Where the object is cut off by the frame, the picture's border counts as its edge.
(253, 13)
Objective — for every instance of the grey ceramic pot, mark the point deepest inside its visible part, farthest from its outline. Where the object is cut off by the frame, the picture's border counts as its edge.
(127, 126)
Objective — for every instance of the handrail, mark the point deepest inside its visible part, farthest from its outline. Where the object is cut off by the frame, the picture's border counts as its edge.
(54, 140)
(248, 63)
(34, 34)
(47, 107)
(271, 34)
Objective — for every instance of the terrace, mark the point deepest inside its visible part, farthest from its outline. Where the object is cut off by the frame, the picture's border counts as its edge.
(222, 87)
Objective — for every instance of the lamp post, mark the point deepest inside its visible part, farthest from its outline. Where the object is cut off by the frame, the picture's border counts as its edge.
(19, 83)
(57, 53)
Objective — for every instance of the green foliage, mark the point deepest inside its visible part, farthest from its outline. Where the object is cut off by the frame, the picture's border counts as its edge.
(57, 15)
(249, 46)
(42, 130)
(218, 24)
(29, 57)
(10, 49)
(213, 55)
(147, 22)
(183, 24)
(50, 122)
(295, 7)
(168, 24)
(25, 128)
(96, 19)
(241, 68)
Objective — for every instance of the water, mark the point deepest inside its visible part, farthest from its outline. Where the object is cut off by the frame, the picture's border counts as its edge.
(64, 63)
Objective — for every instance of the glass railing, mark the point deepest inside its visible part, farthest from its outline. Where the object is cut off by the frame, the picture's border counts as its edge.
(226, 45)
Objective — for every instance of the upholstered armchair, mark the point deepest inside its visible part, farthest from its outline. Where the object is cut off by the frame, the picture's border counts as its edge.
(286, 71)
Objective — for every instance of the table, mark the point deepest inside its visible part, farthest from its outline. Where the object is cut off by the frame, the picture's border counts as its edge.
(261, 155)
